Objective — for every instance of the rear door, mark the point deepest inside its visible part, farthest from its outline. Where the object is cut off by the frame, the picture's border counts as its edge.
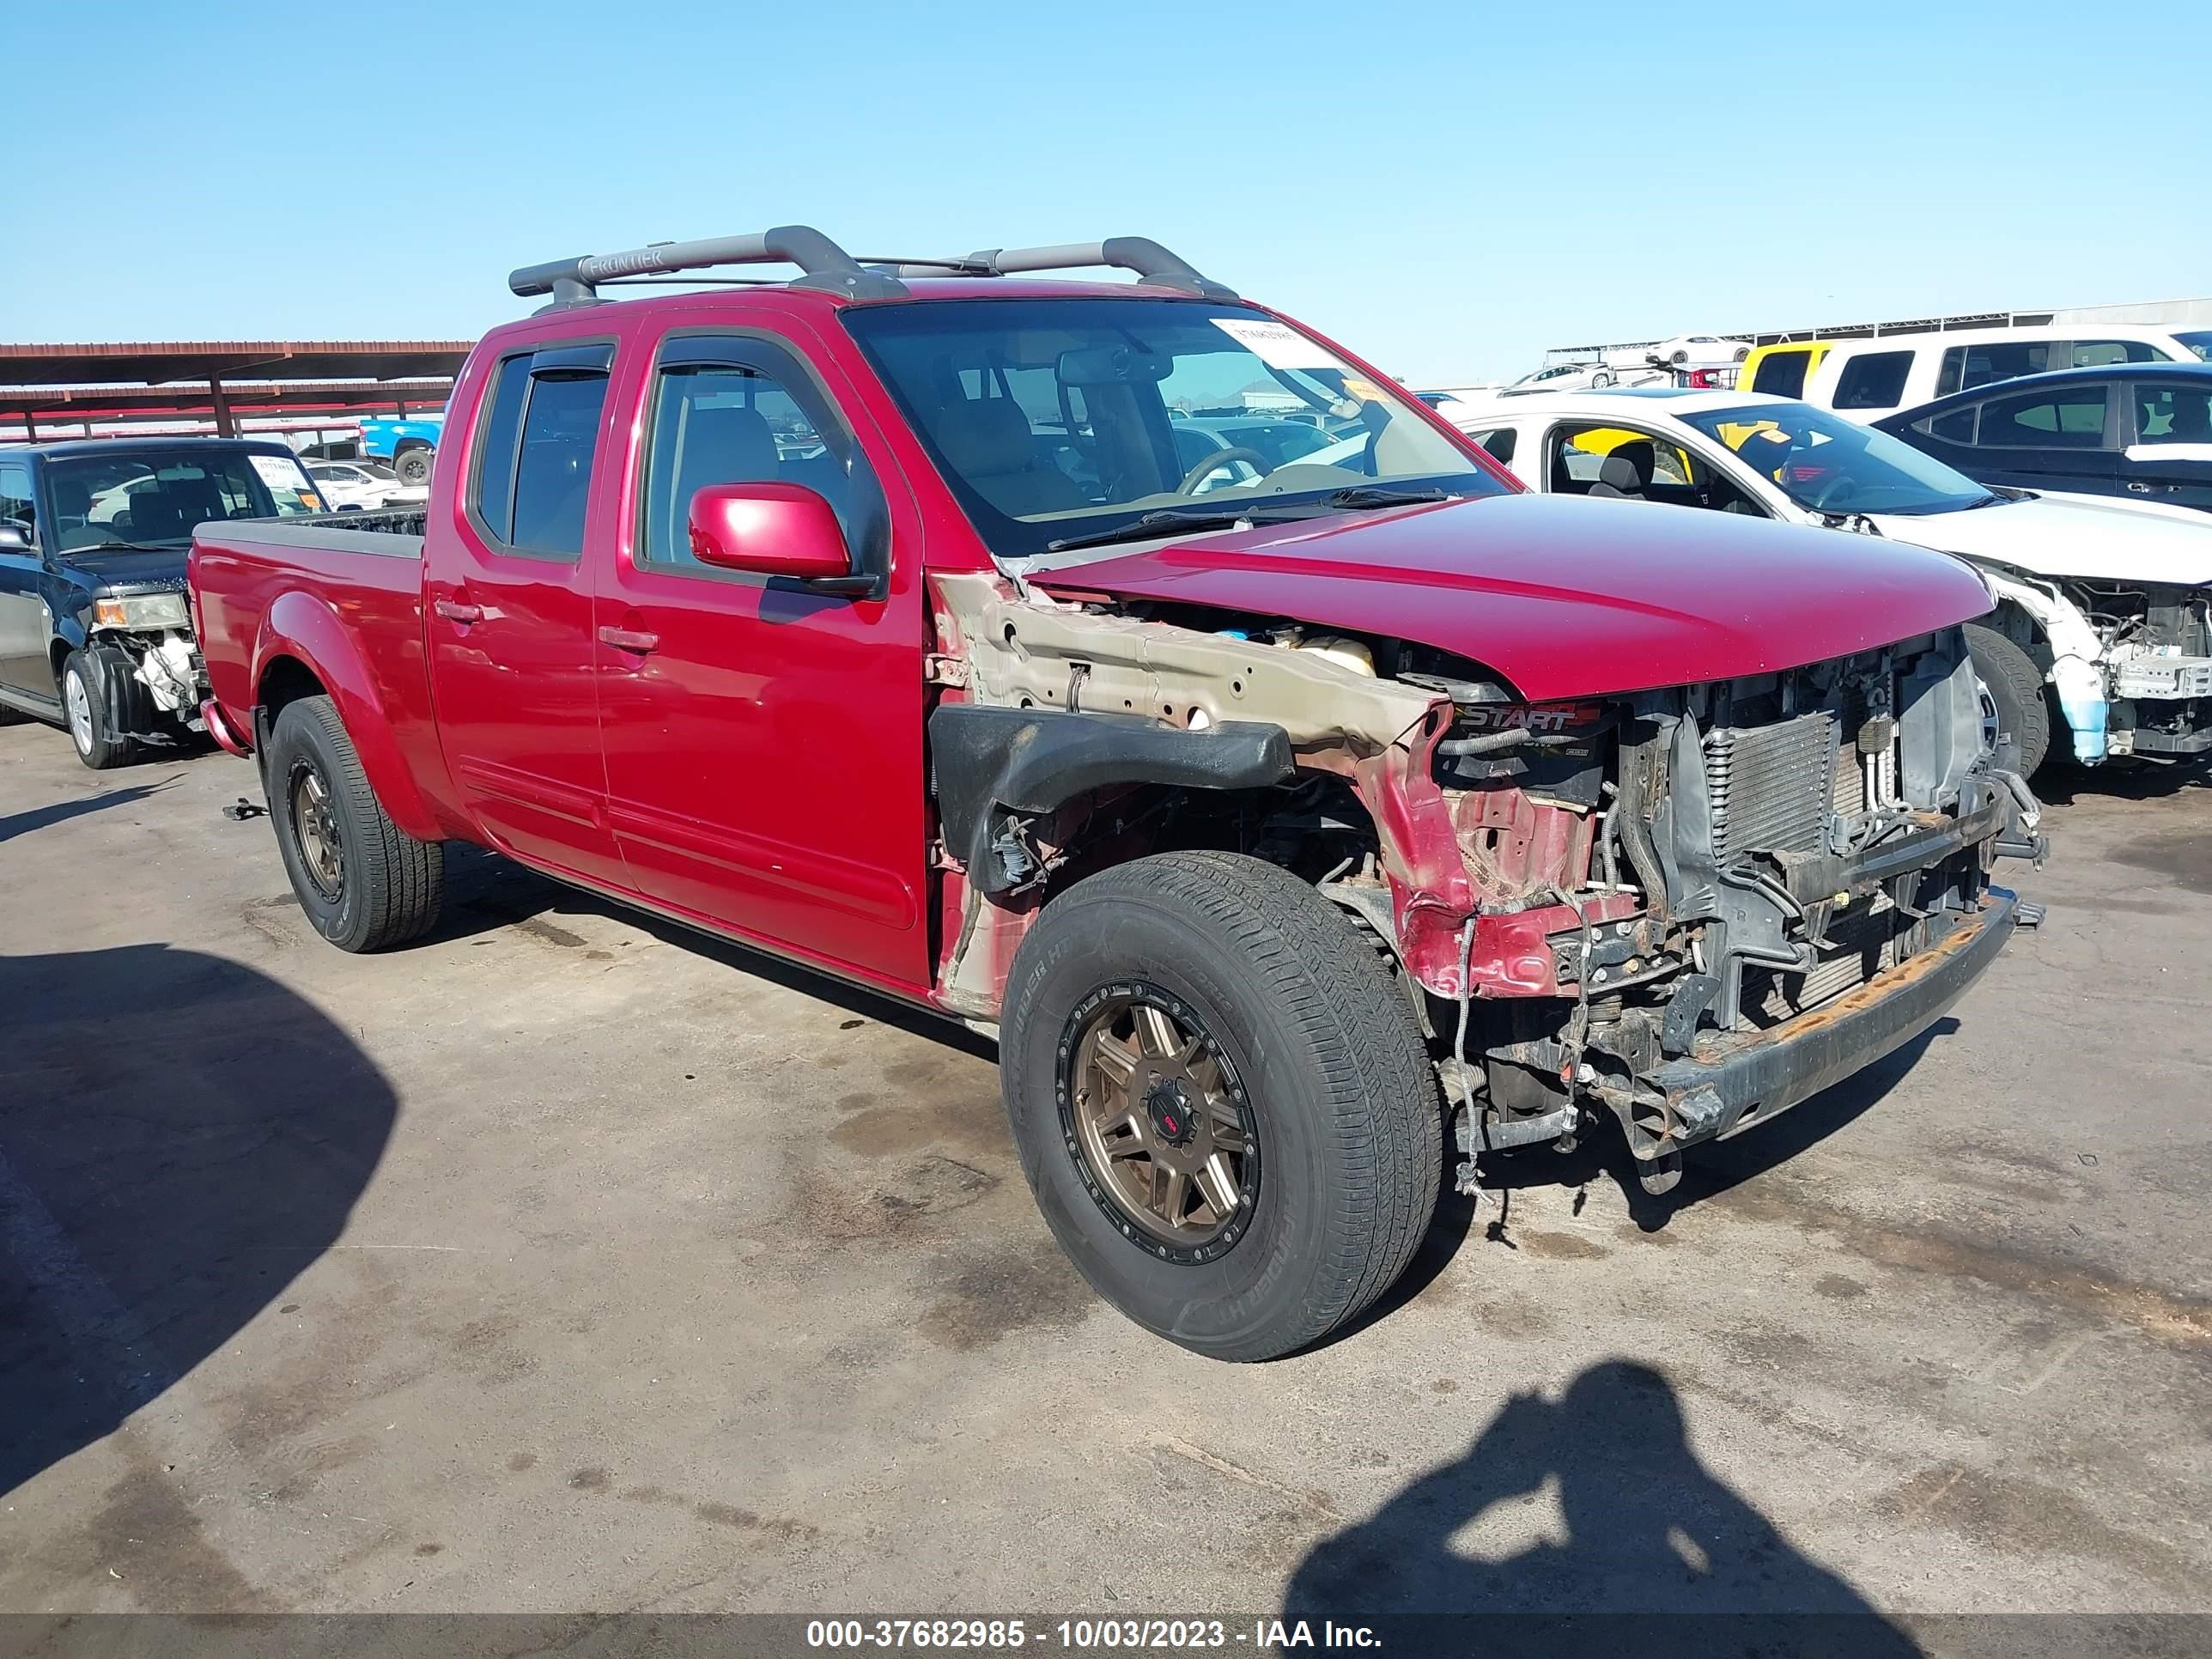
(509, 607)
(25, 623)
(2059, 438)
(764, 742)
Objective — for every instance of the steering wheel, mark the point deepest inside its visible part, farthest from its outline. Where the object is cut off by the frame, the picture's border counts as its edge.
(1832, 498)
(1213, 464)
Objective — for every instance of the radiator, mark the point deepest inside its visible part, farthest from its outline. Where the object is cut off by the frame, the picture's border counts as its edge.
(1861, 944)
(1771, 786)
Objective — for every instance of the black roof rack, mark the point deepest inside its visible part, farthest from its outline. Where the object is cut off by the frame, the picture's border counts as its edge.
(1156, 267)
(826, 265)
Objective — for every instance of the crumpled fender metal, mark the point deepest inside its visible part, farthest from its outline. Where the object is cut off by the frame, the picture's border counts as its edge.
(990, 759)
(302, 626)
(2077, 666)
(1378, 734)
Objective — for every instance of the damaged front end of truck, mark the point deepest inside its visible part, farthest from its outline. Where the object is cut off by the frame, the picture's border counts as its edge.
(1689, 908)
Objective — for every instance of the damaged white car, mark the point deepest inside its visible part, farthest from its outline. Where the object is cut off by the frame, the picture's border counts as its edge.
(2099, 642)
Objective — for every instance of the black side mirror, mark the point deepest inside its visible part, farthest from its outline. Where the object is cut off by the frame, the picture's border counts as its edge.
(13, 538)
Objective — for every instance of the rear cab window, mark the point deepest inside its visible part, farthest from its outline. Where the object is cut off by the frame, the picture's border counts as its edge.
(537, 441)
(1873, 380)
(1782, 373)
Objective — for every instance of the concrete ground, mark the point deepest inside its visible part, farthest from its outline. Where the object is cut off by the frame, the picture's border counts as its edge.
(567, 1262)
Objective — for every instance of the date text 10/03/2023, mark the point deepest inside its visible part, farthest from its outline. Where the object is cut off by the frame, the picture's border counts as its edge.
(1005, 1634)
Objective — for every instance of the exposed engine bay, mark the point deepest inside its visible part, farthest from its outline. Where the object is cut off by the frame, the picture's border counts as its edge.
(2158, 653)
(2130, 664)
(1629, 901)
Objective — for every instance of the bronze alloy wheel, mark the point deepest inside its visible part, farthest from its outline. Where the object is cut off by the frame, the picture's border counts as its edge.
(315, 823)
(1155, 1116)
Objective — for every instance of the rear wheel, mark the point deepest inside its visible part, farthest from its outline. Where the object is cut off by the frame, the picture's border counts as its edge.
(414, 467)
(1220, 1102)
(85, 705)
(363, 882)
(2014, 713)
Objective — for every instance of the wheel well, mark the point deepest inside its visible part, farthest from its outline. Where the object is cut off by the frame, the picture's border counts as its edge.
(58, 652)
(286, 680)
(2022, 629)
(405, 444)
(1309, 825)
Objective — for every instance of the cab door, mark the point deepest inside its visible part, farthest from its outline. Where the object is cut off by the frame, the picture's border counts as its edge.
(26, 623)
(2169, 452)
(509, 604)
(764, 741)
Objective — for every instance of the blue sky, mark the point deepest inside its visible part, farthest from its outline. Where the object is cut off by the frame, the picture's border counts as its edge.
(1448, 189)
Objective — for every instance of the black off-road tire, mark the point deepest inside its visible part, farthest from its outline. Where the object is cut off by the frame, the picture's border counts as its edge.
(84, 674)
(413, 465)
(388, 884)
(2015, 686)
(1345, 1102)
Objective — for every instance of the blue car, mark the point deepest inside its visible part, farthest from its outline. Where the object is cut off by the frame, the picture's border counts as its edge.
(2139, 431)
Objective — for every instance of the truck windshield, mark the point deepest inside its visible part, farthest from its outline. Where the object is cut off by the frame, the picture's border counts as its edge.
(1826, 463)
(1065, 421)
(151, 498)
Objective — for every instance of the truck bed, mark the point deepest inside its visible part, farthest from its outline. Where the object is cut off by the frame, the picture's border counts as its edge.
(342, 591)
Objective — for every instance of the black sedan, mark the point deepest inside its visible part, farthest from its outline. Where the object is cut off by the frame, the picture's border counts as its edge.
(2140, 431)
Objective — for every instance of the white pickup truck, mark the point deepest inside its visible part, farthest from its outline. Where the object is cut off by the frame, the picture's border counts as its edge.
(2101, 642)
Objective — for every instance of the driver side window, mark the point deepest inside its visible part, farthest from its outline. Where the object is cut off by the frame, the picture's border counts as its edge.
(1628, 463)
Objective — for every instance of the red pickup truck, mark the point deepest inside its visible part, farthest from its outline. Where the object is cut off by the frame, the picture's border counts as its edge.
(1282, 806)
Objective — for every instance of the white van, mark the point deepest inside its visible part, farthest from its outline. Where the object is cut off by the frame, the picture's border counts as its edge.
(1866, 379)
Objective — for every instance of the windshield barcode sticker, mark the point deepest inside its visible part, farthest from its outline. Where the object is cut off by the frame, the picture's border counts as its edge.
(1276, 344)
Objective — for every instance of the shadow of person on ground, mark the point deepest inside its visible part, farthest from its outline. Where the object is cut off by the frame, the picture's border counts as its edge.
(1659, 1556)
(179, 1138)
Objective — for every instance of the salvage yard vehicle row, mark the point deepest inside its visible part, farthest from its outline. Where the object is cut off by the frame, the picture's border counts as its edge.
(1280, 813)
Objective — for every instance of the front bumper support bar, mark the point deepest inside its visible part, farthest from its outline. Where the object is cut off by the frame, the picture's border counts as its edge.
(1733, 1081)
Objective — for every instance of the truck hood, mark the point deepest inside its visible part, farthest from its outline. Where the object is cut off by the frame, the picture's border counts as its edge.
(2104, 541)
(1563, 597)
(120, 570)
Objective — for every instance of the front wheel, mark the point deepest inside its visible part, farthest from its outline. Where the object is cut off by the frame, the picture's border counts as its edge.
(85, 703)
(2014, 716)
(364, 883)
(1220, 1102)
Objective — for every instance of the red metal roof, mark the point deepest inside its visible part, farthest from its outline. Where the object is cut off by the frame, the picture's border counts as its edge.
(153, 362)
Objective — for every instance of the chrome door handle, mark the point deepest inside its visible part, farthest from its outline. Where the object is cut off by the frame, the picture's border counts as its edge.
(629, 638)
(454, 611)
(2138, 488)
